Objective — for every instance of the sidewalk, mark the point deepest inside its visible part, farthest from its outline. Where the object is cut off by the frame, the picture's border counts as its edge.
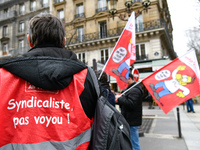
(163, 132)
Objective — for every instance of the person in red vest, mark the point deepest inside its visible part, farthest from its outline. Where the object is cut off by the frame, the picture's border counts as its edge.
(48, 98)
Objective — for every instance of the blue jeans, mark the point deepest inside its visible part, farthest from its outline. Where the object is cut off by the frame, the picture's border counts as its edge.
(135, 137)
(189, 104)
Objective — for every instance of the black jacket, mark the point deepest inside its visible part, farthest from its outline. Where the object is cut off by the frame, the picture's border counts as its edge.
(131, 105)
(104, 86)
(52, 68)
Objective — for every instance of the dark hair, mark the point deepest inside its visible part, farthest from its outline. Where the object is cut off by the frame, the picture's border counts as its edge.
(131, 76)
(46, 29)
(103, 76)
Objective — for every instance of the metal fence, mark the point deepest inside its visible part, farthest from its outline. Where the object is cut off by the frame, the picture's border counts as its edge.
(140, 27)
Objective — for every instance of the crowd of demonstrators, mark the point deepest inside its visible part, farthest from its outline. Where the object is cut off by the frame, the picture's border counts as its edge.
(189, 104)
(105, 87)
(59, 89)
(131, 108)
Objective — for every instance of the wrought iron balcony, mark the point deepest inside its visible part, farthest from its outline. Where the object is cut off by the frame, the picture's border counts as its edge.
(134, 1)
(58, 1)
(141, 57)
(95, 36)
(10, 14)
(4, 1)
(101, 9)
(141, 27)
(79, 15)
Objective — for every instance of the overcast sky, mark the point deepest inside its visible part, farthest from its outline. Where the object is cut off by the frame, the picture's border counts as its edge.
(184, 15)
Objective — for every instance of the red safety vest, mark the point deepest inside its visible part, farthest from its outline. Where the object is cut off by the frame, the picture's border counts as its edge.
(33, 118)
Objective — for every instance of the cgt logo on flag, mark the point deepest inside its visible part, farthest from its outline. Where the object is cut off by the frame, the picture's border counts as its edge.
(175, 83)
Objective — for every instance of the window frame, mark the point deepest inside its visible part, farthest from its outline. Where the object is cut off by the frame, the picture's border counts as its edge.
(32, 7)
(5, 31)
(5, 51)
(60, 12)
(45, 3)
(102, 29)
(104, 58)
(82, 57)
(80, 33)
(21, 27)
(21, 8)
(141, 56)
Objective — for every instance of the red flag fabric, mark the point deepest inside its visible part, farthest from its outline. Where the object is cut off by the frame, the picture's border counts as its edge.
(123, 54)
(175, 83)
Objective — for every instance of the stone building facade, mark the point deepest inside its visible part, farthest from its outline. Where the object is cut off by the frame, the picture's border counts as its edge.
(14, 17)
(91, 31)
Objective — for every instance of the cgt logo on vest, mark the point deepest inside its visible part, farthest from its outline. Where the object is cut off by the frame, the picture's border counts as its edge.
(31, 88)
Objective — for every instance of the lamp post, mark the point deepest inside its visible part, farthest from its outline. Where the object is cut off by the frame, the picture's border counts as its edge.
(112, 6)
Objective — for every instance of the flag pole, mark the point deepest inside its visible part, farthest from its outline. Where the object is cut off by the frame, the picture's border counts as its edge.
(113, 49)
(130, 88)
(110, 56)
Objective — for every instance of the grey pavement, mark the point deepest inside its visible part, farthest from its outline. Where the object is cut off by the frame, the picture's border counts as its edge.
(164, 134)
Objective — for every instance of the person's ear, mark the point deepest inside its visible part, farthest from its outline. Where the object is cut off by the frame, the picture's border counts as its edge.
(29, 40)
(65, 40)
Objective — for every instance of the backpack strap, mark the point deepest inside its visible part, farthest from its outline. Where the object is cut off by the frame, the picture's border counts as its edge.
(94, 79)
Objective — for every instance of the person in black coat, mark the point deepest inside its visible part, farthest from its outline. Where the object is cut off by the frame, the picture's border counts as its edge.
(131, 109)
(105, 87)
(50, 67)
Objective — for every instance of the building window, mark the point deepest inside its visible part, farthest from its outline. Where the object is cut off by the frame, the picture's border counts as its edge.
(79, 11)
(5, 49)
(5, 31)
(21, 9)
(21, 46)
(101, 5)
(102, 29)
(104, 56)
(141, 52)
(45, 3)
(21, 27)
(21, 43)
(61, 14)
(5, 11)
(139, 23)
(81, 57)
(33, 5)
(80, 34)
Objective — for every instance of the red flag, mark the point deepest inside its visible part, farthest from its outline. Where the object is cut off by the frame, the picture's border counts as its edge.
(175, 83)
(123, 54)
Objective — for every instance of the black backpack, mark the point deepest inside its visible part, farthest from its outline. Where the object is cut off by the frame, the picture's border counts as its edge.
(110, 130)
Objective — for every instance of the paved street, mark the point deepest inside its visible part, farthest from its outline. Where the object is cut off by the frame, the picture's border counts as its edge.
(163, 133)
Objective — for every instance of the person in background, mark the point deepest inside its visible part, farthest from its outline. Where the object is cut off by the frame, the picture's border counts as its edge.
(131, 109)
(105, 87)
(48, 98)
(189, 104)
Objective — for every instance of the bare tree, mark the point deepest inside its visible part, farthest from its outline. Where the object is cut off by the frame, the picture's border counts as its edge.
(194, 41)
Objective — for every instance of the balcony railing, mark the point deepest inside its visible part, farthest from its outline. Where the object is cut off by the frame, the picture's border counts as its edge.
(58, 1)
(101, 9)
(8, 15)
(79, 15)
(134, 1)
(4, 1)
(141, 27)
(95, 36)
(45, 5)
(141, 57)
